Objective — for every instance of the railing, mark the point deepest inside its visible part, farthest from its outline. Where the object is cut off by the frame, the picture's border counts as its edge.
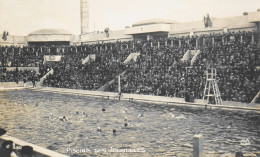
(104, 87)
(44, 77)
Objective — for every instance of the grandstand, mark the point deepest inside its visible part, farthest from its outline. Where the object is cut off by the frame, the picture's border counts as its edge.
(152, 60)
(172, 66)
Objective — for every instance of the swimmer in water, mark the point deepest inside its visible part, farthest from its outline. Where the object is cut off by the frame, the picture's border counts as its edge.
(126, 125)
(180, 117)
(141, 114)
(76, 113)
(103, 109)
(64, 118)
(114, 131)
(85, 114)
(98, 129)
(51, 116)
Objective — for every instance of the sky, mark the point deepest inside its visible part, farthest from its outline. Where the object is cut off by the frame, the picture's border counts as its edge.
(20, 17)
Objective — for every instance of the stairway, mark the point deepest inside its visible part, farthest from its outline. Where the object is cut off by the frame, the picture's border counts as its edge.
(44, 77)
(89, 58)
(105, 86)
(190, 56)
(132, 56)
(194, 57)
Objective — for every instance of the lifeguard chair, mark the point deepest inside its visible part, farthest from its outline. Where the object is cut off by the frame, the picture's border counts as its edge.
(211, 87)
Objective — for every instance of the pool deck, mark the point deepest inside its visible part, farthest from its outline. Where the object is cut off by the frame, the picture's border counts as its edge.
(11, 88)
(228, 105)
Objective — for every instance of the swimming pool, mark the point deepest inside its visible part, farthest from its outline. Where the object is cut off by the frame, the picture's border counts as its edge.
(153, 130)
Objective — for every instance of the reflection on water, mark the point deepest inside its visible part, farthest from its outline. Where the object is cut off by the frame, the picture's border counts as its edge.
(156, 129)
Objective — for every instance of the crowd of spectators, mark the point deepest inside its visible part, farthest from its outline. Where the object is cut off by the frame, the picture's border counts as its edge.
(26, 56)
(17, 76)
(159, 69)
(237, 65)
(107, 63)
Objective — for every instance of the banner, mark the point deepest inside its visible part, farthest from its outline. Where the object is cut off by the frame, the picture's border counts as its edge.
(52, 58)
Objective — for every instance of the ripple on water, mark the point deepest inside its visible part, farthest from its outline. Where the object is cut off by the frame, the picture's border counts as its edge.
(160, 130)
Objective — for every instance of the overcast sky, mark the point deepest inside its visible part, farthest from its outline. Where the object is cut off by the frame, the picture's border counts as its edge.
(21, 17)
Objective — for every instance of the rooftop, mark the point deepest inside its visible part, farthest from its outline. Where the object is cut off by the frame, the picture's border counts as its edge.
(52, 31)
(154, 21)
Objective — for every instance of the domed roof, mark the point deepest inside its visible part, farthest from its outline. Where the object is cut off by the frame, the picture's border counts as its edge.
(50, 32)
(154, 21)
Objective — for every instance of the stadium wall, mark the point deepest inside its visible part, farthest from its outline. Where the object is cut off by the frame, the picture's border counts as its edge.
(23, 68)
(47, 38)
(100, 37)
(246, 22)
(219, 25)
(13, 40)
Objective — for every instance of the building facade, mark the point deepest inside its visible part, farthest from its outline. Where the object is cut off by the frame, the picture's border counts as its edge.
(142, 30)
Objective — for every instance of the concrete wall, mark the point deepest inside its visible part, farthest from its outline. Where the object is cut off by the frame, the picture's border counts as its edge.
(219, 25)
(101, 37)
(148, 29)
(23, 68)
(233, 24)
(254, 16)
(46, 38)
(13, 40)
(11, 84)
(75, 40)
(150, 98)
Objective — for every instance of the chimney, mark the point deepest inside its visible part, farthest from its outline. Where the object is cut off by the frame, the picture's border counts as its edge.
(84, 16)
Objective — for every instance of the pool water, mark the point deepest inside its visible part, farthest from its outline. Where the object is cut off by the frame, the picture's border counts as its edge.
(152, 129)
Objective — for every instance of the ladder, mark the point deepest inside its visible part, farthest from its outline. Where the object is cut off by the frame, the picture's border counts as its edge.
(211, 87)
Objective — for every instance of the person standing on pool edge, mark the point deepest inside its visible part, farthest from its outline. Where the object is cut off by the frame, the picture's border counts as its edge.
(119, 96)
